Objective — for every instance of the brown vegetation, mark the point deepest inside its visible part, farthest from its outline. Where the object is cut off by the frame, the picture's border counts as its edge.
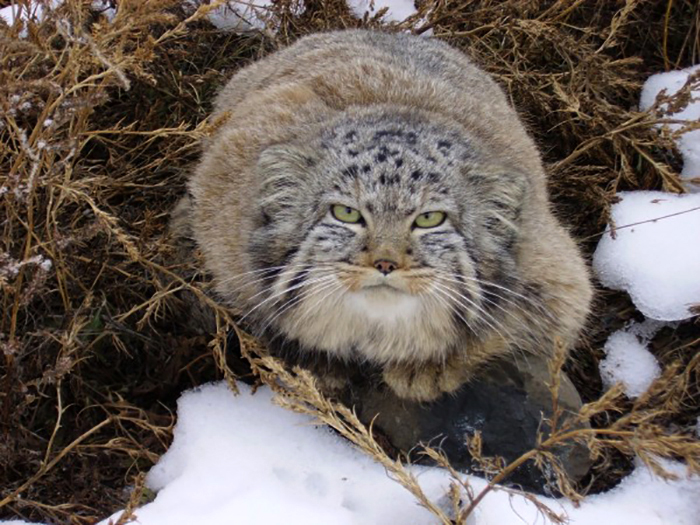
(100, 122)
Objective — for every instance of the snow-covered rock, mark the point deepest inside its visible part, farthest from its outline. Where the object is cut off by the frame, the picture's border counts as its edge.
(689, 142)
(655, 252)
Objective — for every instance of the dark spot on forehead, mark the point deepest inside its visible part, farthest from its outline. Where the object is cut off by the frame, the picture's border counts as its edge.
(382, 179)
(366, 168)
(387, 133)
(411, 137)
(353, 153)
(433, 177)
(351, 135)
(444, 144)
(381, 157)
(417, 174)
(398, 163)
(351, 171)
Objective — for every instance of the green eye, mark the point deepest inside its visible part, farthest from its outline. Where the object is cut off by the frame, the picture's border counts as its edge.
(346, 213)
(430, 219)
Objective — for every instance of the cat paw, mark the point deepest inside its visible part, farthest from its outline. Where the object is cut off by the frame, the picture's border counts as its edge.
(423, 383)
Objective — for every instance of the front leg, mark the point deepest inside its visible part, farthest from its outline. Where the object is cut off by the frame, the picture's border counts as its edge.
(425, 382)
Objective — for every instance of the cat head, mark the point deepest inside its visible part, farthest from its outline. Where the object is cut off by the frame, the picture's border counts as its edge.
(384, 218)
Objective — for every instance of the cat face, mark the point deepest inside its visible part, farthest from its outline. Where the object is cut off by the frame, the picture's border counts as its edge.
(395, 226)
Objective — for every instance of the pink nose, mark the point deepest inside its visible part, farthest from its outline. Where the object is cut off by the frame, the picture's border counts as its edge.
(385, 266)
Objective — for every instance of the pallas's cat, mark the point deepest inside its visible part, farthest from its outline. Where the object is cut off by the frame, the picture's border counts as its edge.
(373, 198)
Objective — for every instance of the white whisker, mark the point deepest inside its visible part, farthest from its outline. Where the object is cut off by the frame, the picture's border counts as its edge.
(283, 292)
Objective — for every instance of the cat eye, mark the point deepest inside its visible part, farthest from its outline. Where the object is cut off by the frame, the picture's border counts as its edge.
(430, 219)
(346, 213)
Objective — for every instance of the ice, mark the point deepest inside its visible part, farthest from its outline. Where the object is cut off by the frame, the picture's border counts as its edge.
(399, 10)
(628, 361)
(242, 459)
(658, 261)
(689, 142)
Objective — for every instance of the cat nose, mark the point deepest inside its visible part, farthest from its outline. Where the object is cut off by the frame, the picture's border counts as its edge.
(385, 266)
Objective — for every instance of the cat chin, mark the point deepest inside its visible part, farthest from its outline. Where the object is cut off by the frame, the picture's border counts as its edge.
(384, 303)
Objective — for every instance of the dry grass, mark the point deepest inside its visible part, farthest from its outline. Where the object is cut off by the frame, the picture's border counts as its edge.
(99, 124)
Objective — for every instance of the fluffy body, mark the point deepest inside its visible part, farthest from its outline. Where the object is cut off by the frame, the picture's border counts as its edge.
(393, 126)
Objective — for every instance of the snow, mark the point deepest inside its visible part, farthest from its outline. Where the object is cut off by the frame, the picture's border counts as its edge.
(245, 459)
(628, 361)
(10, 267)
(398, 11)
(240, 16)
(658, 261)
(104, 7)
(30, 12)
(688, 143)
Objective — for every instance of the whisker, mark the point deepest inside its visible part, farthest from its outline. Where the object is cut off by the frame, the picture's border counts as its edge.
(290, 279)
(333, 289)
(485, 316)
(306, 294)
(286, 290)
(509, 313)
(272, 269)
(485, 283)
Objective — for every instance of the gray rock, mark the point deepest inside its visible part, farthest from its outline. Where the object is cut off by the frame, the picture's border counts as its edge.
(506, 404)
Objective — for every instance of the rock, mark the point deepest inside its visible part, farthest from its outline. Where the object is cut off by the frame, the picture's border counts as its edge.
(506, 405)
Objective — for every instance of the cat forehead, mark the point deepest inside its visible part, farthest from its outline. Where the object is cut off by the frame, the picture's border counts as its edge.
(398, 163)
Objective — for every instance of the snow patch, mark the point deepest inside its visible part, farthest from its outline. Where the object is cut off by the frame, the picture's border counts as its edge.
(655, 257)
(31, 12)
(688, 143)
(17, 522)
(628, 361)
(237, 16)
(399, 10)
(243, 458)
(104, 7)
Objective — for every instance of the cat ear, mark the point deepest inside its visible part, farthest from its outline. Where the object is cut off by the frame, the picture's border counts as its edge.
(283, 170)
